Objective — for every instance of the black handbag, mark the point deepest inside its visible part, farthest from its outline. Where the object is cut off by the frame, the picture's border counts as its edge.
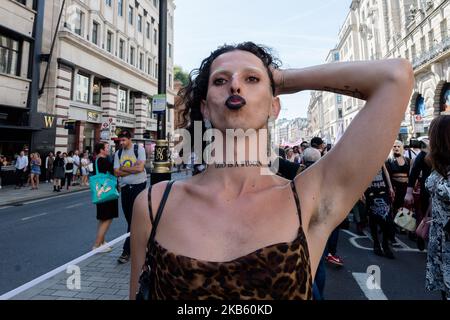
(145, 279)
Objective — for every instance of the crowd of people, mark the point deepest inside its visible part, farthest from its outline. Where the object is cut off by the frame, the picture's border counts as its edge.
(63, 169)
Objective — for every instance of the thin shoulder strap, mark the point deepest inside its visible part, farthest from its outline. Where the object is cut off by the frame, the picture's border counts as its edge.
(297, 201)
(149, 196)
(159, 213)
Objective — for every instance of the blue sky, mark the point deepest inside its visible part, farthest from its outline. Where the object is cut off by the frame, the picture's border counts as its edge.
(300, 31)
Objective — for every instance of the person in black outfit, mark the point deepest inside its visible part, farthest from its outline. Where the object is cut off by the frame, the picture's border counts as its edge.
(378, 197)
(420, 171)
(58, 172)
(108, 210)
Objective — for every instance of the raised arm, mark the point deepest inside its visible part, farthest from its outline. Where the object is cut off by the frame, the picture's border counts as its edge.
(329, 189)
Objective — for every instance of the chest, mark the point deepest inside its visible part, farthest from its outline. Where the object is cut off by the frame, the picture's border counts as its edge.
(223, 230)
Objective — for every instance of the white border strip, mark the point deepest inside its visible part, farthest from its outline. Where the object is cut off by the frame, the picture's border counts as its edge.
(62, 268)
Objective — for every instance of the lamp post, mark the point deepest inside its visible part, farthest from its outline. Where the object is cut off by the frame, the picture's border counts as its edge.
(161, 169)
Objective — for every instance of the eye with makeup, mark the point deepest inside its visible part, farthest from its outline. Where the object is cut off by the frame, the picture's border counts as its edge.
(253, 79)
(219, 81)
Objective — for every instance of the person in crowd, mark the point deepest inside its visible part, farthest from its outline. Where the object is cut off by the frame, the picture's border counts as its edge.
(129, 166)
(319, 144)
(420, 171)
(398, 167)
(28, 174)
(290, 156)
(109, 210)
(85, 170)
(261, 236)
(68, 167)
(59, 172)
(438, 186)
(49, 167)
(378, 199)
(297, 154)
(76, 167)
(21, 166)
(35, 171)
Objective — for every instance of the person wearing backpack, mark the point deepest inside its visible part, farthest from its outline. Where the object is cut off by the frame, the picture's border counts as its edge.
(129, 162)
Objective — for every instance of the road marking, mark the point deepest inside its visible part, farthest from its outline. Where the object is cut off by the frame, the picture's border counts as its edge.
(354, 237)
(55, 197)
(63, 268)
(35, 216)
(75, 205)
(371, 294)
(7, 207)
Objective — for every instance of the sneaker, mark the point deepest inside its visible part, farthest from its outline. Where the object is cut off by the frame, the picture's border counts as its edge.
(104, 250)
(124, 258)
(335, 260)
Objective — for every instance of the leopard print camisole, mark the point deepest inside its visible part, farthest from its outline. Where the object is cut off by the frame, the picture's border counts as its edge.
(280, 271)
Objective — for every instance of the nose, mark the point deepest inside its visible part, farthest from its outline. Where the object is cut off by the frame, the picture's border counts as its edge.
(235, 87)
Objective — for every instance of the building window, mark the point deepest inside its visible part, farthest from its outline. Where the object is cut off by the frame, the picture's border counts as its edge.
(82, 91)
(96, 92)
(170, 50)
(109, 41)
(444, 30)
(95, 33)
(338, 99)
(431, 38)
(154, 3)
(109, 3)
(24, 2)
(141, 61)
(170, 80)
(339, 113)
(155, 37)
(132, 56)
(120, 8)
(148, 30)
(139, 23)
(78, 23)
(9, 55)
(413, 51)
(122, 100)
(121, 48)
(156, 71)
(130, 15)
(131, 103)
(149, 66)
(423, 46)
(407, 54)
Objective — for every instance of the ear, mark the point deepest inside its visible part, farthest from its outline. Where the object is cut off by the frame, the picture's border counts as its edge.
(204, 110)
(276, 108)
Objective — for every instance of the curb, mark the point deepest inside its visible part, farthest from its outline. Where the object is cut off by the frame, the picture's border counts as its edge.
(48, 196)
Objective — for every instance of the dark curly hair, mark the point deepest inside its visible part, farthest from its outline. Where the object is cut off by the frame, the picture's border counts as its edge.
(196, 90)
(440, 144)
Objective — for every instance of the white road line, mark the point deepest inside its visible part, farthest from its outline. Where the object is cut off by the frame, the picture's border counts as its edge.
(7, 207)
(48, 275)
(55, 197)
(35, 216)
(75, 205)
(371, 294)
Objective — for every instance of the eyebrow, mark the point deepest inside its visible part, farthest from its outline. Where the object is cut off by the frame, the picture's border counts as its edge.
(219, 71)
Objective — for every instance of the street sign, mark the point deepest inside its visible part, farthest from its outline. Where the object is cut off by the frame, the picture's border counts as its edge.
(105, 134)
(419, 127)
(159, 103)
